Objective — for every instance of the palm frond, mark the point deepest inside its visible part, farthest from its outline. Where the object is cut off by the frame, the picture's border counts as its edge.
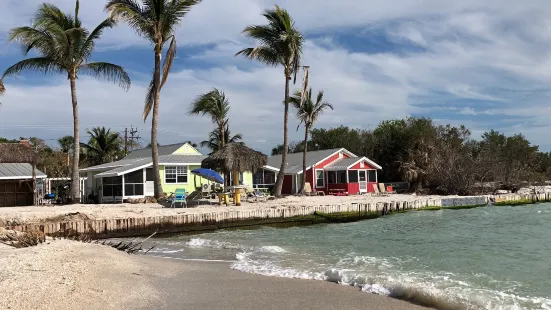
(40, 64)
(263, 54)
(149, 98)
(89, 43)
(172, 14)
(214, 104)
(130, 11)
(104, 70)
(169, 58)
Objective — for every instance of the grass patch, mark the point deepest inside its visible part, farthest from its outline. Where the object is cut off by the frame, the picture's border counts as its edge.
(514, 203)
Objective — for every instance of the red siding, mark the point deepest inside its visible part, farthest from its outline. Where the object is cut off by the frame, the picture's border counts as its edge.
(370, 187)
(310, 177)
(330, 160)
(287, 188)
(366, 166)
(350, 188)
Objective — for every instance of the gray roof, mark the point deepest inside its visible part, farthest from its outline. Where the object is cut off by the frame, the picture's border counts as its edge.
(343, 163)
(122, 166)
(294, 160)
(181, 159)
(16, 171)
(146, 152)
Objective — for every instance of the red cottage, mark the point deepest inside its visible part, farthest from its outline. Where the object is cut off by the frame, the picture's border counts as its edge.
(330, 171)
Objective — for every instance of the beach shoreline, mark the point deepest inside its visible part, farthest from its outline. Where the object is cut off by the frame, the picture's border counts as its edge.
(78, 275)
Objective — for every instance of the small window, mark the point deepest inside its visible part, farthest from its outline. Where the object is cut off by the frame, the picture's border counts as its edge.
(331, 177)
(176, 174)
(320, 179)
(362, 165)
(372, 176)
(341, 177)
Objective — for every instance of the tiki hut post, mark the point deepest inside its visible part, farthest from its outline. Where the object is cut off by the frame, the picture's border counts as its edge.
(235, 158)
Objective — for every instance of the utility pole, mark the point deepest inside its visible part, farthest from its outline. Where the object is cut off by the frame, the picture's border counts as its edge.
(133, 136)
(125, 141)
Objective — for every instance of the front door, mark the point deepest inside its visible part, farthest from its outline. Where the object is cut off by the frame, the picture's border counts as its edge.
(362, 178)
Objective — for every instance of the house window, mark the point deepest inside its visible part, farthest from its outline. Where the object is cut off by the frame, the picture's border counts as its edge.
(362, 165)
(112, 186)
(331, 177)
(353, 176)
(320, 178)
(341, 177)
(176, 174)
(372, 176)
(133, 183)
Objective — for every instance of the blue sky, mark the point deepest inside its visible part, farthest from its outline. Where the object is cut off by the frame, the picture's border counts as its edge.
(484, 64)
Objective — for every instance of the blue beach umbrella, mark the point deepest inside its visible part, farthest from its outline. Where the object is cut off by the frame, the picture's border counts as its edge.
(208, 174)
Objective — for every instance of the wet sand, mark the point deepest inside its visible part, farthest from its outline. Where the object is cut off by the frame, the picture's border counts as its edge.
(74, 275)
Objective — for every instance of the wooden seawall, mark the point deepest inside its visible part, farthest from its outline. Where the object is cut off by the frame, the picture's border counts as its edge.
(220, 218)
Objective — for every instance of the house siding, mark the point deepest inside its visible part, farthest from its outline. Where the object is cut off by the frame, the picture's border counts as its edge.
(187, 149)
(189, 186)
(367, 166)
(330, 160)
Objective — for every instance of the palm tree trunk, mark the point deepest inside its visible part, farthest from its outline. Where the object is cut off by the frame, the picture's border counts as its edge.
(158, 190)
(222, 131)
(75, 179)
(305, 152)
(281, 173)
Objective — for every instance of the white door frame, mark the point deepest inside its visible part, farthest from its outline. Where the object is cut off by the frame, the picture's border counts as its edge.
(364, 188)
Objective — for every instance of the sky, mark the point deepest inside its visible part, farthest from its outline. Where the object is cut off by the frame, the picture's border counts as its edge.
(484, 64)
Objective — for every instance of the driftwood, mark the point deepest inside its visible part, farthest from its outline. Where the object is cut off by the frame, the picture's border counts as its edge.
(36, 237)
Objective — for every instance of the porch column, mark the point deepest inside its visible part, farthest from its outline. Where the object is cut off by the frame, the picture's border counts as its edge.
(144, 182)
(122, 178)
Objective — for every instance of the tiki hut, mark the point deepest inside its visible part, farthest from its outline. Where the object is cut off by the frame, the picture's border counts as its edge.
(235, 158)
(18, 174)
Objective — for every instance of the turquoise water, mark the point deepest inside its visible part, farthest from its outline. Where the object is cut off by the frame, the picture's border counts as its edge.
(485, 258)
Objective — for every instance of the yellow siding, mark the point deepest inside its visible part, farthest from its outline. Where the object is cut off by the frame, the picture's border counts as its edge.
(189, 187)
(187, 149)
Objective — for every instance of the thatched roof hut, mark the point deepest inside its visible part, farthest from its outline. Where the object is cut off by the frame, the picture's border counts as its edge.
(235, 157)
(16, 153)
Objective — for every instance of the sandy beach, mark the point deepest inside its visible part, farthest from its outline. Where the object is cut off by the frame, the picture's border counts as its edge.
(20, 215)
(74, 275)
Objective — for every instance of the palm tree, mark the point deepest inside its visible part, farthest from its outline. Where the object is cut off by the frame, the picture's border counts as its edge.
(103, 146)
(307, 113)
(66, 144)
(64, 46)
(156, 21)
(217, 106)
(214, 143)
(279, 44)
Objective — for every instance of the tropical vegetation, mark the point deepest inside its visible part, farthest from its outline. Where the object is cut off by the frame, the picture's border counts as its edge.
(63, 45)
(280, 43)
(215, 105)
(66, 144)
(156, 21)
(308, 113)
(216, 141)
(103, 146)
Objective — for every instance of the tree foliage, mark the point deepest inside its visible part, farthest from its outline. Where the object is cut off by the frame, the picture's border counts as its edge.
(441, 159)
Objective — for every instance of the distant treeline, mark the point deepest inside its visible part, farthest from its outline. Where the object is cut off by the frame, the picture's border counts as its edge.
(439, 159)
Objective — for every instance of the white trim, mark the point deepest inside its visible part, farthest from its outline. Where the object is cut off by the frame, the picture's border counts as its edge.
(188, 172)
(179, 164)
(316, 178)
(22, 177)
(350, 154)
(369, 161)
(270, 168)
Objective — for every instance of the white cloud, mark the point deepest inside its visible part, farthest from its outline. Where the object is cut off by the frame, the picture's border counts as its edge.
(493, 51)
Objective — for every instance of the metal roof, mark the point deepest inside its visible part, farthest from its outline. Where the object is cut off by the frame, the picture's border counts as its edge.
(146, 152)
(294, 160)
(132, 165)
(343, 163)
(14, 171)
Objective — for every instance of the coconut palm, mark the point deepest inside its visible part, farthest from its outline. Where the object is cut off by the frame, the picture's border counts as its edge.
(64, 46)
(217, 106)
(279, 44)
(66, 144)
(155, 20)
(308, 112)
(104, 146)
(214, 143)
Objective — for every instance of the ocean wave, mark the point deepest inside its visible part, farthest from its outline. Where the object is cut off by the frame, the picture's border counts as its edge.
(436, 291)
(215, 244)
(164, 251)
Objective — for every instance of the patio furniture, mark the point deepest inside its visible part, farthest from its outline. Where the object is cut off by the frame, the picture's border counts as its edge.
(390, 190)
(338, 192)
(179, 196)
(308, 190)
(255, 194)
